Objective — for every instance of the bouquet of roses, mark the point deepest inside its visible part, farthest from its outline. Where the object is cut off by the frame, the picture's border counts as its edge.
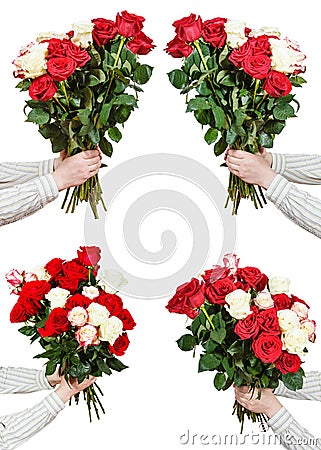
(69, 309)
(78, 85)
(252, 331)
(242, 79)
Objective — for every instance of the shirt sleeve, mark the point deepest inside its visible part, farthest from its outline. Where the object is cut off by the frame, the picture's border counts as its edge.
(311, 389)
(24, 199)
(303, 169)
(299, 206)
(291, 434)
(13, 173)
(17, 380)
(15, 429)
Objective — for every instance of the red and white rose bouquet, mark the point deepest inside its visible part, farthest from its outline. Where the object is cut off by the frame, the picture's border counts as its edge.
(78, 83)
(68, 308)
(242, 79)
(251, 330)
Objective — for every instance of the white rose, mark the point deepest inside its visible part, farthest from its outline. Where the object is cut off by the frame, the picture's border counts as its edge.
(268, 31)
(111, 280)
(82, 34)
(300, 309)
(47, 35)
(97, 314)
(110, 329)
(287, 319)
(295, 340)
(90, 292)
(41, 273)
(264, 300)
(57, 297)
(33, 64)
(239, 304)
(279, 285)
(285, 58)
(235, 31)
(78, 316)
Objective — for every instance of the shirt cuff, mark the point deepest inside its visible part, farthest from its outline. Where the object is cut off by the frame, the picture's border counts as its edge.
(280, 390)
(278, 189)
(47, 188)
(278, 163)
(46, 167)
(42, 380)
(280, 421)
(54, 404)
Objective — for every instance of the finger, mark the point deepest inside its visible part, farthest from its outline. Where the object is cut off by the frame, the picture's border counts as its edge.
(239, 154)
(90, 153)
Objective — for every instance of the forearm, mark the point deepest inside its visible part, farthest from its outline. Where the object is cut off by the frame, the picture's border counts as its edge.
(15, 429)
(291, 434)
(20, 380)
(302, 168)
(311, 389)
(13, 173)
(297, 205)
(24, 199)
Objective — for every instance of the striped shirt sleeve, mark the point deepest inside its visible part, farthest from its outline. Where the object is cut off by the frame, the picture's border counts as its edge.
(303, 168)
(311, 388)
(15, 429)
(15, 380)
(299, 206)
(12, 173)
(21, 200)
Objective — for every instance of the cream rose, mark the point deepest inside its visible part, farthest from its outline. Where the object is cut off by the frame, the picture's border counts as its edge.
(90, 292)
(279, 285)
(87, 335)
(78, 316)
(295, 340)
(301, 310)
(82, 33)
(110, 329)
(47, 35)
(33, 64)
(309, 326)
(57, 297)
(97, 314)
(235, 31)
(287, 319)
(268, 31)
(264, 300)
(111, 280)
(239, 304)
(285, 58)
(41, 273)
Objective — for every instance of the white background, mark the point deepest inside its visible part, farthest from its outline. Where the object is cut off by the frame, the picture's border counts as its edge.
(161, 395)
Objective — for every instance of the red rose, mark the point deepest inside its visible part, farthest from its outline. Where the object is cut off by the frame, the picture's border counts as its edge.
(257, 66)
(253, 277)
(188, 298)
(79, 55)
(260, 45)
(288, 362)
(141, 44)
(277, 84)
(282, 301)
(42, 88)
(18, 313)
(112, 302)
(267, 347)
(54, 267)
(104, 31)
(120, 345)
(57, 323)
(127, 319)
(248, 328)
(180, 305)
(77, 300)
(214, 32)
(178, 49)
(188, 29)
(268, 321)
(57, 47)
(73, 274)
(299, 300)
(89, 256)
(216, 292)
(35, 290)
(61, 67)
(30, 306)
(239, 54)
(129, 25)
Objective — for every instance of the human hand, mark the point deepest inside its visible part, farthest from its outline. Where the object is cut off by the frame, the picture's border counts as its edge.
(268, 403)
(253, 169)
(55, 378)
(75, 170)
(59, 160)
(66, 390)
(266, 155)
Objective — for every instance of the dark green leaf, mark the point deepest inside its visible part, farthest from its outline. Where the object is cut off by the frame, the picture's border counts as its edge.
(49, 131)
(27, 330)
(106, 147)
(38, 116)
(94, 136)
(208, 362)
(51, 367)
(114, 134)
(282, 111)
(227, 367)
(219, 381)
(265, 140)
(220, 146)
(211, 135)
(218, 335)
(103, 366)
(105, 111)
(178, 78)
(83, 115)
(143, 73)
(274, 126)
(186, 342)
(125, 99)
(219, 116)
(116, 364)
(59, 143)
(293, 381)
(197, 103)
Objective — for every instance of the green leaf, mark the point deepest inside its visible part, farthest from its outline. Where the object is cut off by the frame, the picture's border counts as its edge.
(49, 131)
(105, 111)
(235, 348)
(274, 126)
(220, 146)
(219, 116)
(218, 335)
(231, 136)
(83, 115)
(186, 342)
(106, 147)
(265, 140)
(208, 362)
(103, 366)
(59, 143)
(282, 111)
(94, 136)
(293, 381)
(125, 99)
(27, 330)
(116, 364)
(203, 90)
(211, 135)
(219, 381)
(122, 114)
(202, 116)
(178, 78)
(197, 103)
(114, 134)
(96, 76)
(143, 73)
(227, 367)
(51, 366)
(38, 116)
